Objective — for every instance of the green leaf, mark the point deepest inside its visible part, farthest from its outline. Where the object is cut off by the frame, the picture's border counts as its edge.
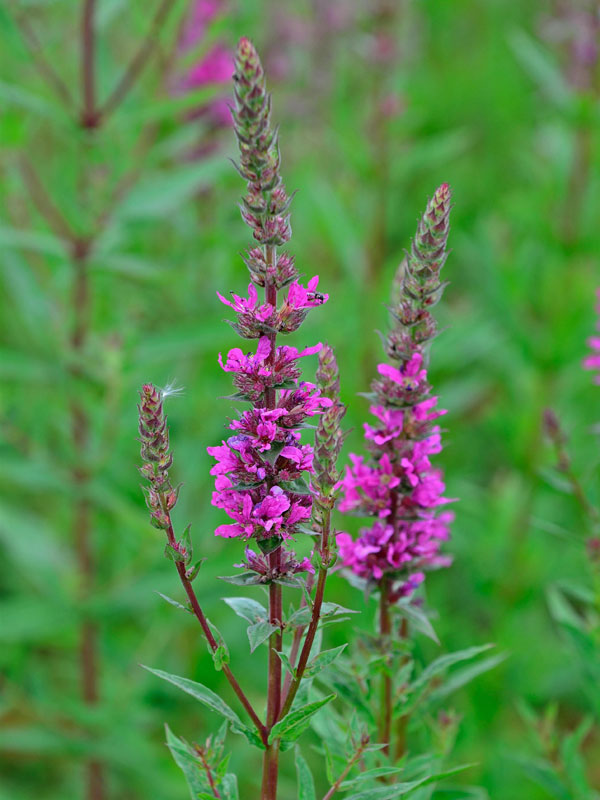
(464, 676)
(36, 241)
(573, 762)
(296, 722)
(323, 660)
(270, 545)
(444, 662)
(290, 580)
(259, 633)
(544, 774)
(372, 774)
(299, 486)
(229, 787)
(542, 68)
(250, 610)
(306, 783)
(243, 579)
(174, 602)
(172, 554)
(209, 699)
(401, 789)
(418, 619)
(186, 543)
(162, 193)
(334, 610)
(560, 608)
(187, 762)
(220, 657)
(286, 663)
(192, 573)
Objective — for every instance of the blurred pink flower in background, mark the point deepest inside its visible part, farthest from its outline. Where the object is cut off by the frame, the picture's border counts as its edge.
(214, 67)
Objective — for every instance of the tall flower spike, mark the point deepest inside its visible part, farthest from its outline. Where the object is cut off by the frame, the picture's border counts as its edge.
(262, 469)
(398, 485)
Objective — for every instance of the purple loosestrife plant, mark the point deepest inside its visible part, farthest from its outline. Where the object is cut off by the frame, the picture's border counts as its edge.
(272, 486)
(275, 488)
(397, 485)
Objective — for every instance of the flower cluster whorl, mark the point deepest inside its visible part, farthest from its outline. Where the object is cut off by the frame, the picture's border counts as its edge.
(398, 485)
(261, 470)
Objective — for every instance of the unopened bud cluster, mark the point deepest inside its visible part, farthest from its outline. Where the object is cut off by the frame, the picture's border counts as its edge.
(266, 204)
(420, 287)
(157, 460)
(329, 437)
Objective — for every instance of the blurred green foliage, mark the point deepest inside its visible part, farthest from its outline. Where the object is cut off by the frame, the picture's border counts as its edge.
(478, 99)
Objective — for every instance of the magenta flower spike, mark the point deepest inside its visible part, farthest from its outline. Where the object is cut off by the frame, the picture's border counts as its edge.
(262, 470)
(397, 484)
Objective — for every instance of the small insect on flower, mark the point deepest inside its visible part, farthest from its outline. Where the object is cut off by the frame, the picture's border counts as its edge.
(318, 297)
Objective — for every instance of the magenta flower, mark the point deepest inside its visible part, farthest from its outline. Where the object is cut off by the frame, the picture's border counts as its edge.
(256, 372)
(254, 320)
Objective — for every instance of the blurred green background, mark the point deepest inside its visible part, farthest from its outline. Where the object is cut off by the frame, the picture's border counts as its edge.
(378, 103)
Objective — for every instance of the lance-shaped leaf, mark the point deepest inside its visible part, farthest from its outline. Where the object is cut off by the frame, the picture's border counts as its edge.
(243, 579)
(175, 603)
(395, 790)
(209, 699)
(296, 722)
(259, 633)
(444, 662)
(306, 783)
(250, 610)
(187, 762)
(323, 660)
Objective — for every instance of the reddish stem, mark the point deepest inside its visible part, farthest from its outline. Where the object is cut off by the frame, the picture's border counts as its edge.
(271, 756)
(139, 61)
(90, 117)
(208, 770)
(315, 616)
(44, 66)
(199, 614)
